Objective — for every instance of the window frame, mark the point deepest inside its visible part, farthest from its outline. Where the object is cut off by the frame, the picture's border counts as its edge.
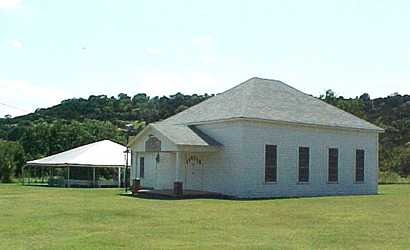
(271, 166)
(357, 167)
(330, 167)
(141, 166)
(302, 167)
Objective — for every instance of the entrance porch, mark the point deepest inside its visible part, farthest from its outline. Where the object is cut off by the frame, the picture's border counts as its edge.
(171, 157)
(182, 172)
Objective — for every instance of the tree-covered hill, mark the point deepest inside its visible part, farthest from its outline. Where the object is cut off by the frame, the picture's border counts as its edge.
(116, 109)
(391, 113)
(78, 121)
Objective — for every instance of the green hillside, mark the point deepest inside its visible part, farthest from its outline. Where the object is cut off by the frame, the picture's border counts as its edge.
(78, 121)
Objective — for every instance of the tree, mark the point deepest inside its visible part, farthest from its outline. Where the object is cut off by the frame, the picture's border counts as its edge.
(404, 165)
(11, 160)
(365, 97)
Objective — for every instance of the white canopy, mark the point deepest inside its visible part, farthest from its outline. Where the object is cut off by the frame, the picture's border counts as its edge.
(98, 154)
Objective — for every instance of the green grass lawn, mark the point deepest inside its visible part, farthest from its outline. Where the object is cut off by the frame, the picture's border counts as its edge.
(58, 218)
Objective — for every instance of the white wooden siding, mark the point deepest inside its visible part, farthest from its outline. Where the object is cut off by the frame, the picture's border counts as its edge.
(238, 168)
(288, 139)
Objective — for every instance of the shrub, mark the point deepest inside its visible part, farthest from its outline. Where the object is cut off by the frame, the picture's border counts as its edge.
(11, 159)
(404, 165)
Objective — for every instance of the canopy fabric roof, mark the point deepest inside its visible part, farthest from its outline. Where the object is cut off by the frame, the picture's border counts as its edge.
(98, 154)
(272, 100)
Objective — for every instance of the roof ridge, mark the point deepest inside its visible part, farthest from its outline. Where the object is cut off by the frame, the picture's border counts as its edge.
(316, 99)
(245, 105)
(210, 99)
(87, 147)
(327, 104)
(269, 99)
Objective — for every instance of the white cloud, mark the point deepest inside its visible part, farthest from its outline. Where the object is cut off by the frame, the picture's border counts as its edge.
(205, 40)
(159, 83)
(22, 97)
(153, 51)
(208, 58)
(10, 4)
(204, 46)
(408, 55)
(16, 43)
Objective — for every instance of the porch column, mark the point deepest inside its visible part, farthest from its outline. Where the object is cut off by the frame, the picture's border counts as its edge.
(137, 164)
(178, 186)
(177, 164)
(136, 182)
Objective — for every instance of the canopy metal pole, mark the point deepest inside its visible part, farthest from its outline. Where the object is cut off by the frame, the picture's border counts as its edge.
(22, 173)
(68, 176)
(94, 177)
(29, 175)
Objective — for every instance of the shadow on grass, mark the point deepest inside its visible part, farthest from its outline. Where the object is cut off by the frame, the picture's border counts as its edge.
(72, 187)
(209, 197)
(392, 183)
(230, 198)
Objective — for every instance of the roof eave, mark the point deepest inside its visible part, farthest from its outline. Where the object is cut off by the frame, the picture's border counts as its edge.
(72, 165)
(376, 129)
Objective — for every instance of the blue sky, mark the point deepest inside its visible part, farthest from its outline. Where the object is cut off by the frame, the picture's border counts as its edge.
(53, 50)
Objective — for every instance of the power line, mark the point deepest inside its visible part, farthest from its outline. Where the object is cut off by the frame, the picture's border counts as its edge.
(13, 107)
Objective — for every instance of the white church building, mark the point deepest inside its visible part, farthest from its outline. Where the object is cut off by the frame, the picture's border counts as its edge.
(261, 138)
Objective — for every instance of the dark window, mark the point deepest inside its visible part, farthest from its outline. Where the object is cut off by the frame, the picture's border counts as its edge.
(270, 163)
(359, 165)
(142, 163)
(303, 164)
(333, 165)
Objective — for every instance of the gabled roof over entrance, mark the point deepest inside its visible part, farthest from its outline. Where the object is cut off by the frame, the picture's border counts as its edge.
(271, 100)
(180, 135)
(185, 135)
(98, 154)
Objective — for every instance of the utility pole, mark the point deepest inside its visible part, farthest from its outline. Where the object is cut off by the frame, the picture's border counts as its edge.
(129, 129)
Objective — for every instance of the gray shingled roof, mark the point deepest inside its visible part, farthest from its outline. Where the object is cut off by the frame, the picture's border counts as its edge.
(269, 100)
(184, 135)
